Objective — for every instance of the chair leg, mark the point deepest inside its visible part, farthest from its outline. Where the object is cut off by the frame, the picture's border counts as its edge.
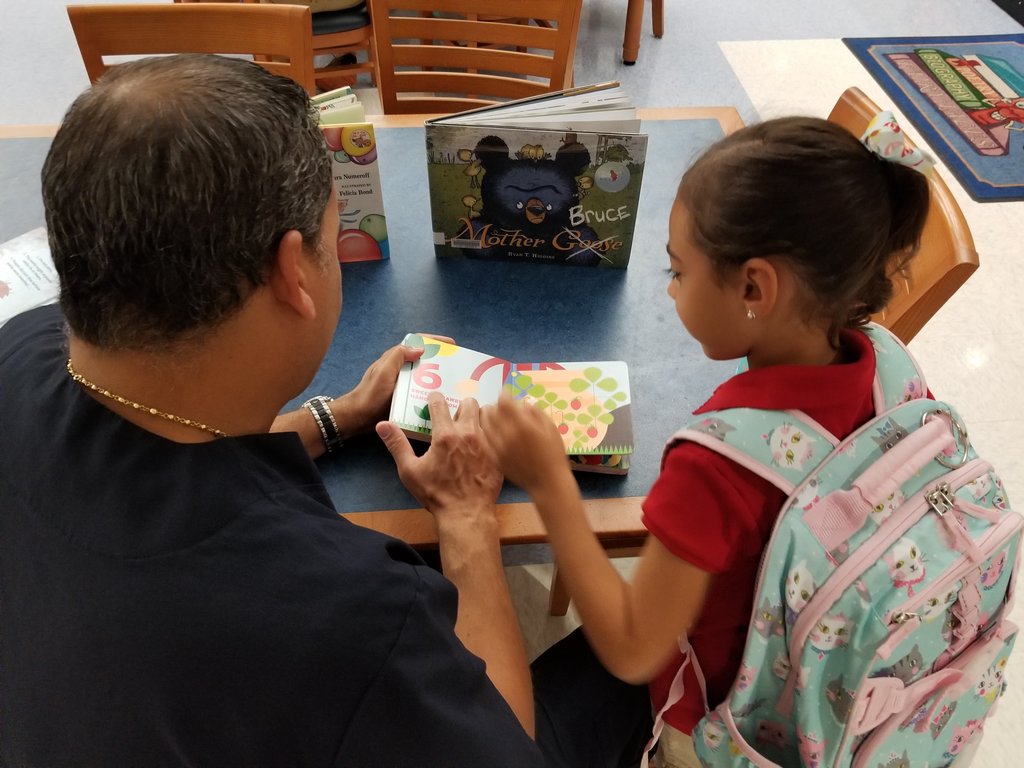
(634, 22)
(658, 13)
(371, 51)
(558, 599)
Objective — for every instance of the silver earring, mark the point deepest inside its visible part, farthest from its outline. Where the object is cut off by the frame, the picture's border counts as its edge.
(750, 314)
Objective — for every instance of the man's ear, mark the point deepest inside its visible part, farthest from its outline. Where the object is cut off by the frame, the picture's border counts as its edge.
(760, 285)
(291, 275)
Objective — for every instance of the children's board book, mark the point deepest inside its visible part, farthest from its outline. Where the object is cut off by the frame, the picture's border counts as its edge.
(588, 401)
(552, 178)
(352, 145)
(28, 278)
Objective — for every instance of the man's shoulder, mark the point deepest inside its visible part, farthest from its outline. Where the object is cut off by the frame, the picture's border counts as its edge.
(34, 330)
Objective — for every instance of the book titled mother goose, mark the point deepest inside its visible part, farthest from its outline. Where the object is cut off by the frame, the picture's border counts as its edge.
(552, 178)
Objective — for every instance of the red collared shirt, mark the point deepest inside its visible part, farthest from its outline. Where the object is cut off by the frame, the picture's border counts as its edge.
(719, 516)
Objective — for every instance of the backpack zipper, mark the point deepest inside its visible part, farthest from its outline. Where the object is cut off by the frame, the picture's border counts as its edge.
(905, 617)
(907, 610)
(847, 573)
(793, 491)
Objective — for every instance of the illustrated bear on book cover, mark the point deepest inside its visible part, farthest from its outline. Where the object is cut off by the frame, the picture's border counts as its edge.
(567, 197)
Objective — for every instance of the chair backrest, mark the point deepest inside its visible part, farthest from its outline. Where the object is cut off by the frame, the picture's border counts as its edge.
(947, 256)
(446, 56)
(278, 36)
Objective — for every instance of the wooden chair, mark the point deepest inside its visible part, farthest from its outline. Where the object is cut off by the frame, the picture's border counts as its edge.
(634, 24)
(339, 32)
(947, 256)
(452, 55)
(278, 36)
(343, 34)
(342, 30)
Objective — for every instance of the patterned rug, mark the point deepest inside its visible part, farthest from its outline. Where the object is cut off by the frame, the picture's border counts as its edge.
(966, 97)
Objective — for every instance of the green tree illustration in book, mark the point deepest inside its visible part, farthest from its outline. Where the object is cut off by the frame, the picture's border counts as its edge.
(589, 402)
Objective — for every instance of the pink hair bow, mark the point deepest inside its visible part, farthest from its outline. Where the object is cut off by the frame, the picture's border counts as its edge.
(885, 138)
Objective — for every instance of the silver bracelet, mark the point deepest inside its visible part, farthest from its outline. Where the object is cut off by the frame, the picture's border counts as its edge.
(318, 406)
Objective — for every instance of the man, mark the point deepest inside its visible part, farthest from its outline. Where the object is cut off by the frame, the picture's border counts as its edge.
(176, 587)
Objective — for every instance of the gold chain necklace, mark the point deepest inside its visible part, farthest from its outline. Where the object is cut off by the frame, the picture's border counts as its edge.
(80, 379)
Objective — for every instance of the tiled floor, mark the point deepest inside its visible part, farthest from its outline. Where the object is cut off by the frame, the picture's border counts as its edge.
(767, 58)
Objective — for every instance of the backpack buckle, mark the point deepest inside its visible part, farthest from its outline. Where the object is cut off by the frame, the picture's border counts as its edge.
(880, 699)
(959, 436)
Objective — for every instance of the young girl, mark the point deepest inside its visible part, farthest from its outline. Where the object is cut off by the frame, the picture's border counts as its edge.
(782, 240)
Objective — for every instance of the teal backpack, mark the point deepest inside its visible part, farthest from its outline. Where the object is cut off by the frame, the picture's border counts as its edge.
(879, 633)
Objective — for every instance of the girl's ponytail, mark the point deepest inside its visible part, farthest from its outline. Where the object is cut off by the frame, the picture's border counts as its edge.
(908, 197)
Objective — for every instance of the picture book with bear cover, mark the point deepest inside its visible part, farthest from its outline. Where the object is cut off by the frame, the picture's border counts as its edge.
(552, 178)
(589, 402)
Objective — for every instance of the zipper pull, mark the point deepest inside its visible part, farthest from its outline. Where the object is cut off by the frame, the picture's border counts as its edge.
(941, 501)
(902, 617)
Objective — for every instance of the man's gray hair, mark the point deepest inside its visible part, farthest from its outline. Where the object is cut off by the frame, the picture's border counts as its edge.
(167, 190)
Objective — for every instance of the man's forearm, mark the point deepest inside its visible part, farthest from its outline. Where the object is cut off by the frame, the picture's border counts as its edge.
(301, 420)
(487, 624)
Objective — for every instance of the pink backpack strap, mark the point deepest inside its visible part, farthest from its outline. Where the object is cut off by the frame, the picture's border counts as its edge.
(675, 692)
(753, 437)
(842, 513)
(898, 377)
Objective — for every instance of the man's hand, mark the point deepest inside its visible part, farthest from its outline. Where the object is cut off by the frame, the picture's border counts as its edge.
(457, 480)
(457, 474)
(359, 409)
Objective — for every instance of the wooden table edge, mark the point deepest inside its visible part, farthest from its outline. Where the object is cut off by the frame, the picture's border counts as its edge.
(616, 522)
(27, 131)
(728, 118)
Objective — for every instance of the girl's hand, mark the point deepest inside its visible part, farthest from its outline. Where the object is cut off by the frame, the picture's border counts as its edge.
(525, 443)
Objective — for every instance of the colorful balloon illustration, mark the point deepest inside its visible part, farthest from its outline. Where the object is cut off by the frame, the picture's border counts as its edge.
(333, 138)
(358, 143)
(375, 225)
(367, 158)
(357, 245)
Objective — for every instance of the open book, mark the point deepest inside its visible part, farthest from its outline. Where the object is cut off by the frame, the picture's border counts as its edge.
(589, 402)
(552, 178)
(352, 144)
(28, 278)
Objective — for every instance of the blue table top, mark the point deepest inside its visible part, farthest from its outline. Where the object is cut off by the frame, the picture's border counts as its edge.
(522, 312)
(519, 311)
